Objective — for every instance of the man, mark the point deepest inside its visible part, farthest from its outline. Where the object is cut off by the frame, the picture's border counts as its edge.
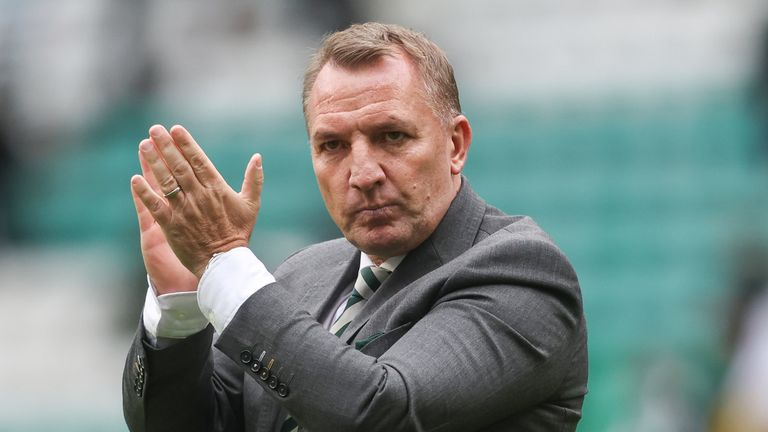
(435, 311)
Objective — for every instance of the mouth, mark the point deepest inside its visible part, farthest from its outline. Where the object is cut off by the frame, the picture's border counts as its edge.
(375, 209)
(375, 213)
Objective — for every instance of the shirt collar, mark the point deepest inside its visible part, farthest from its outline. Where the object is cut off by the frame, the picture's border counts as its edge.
(390, 264)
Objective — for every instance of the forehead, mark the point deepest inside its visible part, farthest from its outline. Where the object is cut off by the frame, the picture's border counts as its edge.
(387, 83)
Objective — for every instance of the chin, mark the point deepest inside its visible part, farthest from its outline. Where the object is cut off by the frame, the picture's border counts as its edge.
(381, 243)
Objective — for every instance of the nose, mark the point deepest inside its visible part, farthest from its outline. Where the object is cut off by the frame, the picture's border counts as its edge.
(365, 169)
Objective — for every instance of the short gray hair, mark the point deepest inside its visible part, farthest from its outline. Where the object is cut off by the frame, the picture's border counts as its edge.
(363, 44)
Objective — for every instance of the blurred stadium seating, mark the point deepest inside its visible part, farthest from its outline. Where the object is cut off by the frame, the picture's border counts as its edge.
(648, 192)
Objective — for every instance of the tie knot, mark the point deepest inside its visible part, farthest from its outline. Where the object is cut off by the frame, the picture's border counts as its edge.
(369, 279)
(374, 276)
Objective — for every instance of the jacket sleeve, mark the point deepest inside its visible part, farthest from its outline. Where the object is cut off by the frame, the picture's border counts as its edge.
(187, 386)
(503, 324)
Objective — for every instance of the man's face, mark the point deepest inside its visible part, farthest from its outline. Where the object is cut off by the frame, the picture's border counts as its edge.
(387, 167)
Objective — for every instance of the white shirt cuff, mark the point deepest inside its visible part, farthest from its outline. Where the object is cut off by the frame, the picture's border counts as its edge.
(174, 315)
(228, 281)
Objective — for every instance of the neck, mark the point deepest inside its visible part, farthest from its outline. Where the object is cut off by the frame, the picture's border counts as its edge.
(377, 259)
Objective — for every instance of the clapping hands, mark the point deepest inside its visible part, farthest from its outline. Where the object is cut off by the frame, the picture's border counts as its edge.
(186, 211)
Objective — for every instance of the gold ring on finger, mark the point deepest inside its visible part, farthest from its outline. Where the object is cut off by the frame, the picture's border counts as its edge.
(170, 194)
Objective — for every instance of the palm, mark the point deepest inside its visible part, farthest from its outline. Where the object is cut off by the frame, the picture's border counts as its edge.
(163, 267)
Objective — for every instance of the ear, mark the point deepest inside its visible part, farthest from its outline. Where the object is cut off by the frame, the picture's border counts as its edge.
(461, 138)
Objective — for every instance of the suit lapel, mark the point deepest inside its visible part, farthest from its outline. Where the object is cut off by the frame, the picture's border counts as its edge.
(329, 281)
(454, 235)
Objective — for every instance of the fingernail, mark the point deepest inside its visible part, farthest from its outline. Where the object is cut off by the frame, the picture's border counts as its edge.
(258, 159)
(178, 132)
(145, 146)
(156, 130)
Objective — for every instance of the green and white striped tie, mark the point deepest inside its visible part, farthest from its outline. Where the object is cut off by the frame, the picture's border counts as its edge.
(369, 279)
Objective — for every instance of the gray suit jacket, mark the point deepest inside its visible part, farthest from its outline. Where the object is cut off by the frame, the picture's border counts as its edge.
(479, 328)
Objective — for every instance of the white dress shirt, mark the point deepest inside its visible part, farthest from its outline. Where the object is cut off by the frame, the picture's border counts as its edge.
(228, 281)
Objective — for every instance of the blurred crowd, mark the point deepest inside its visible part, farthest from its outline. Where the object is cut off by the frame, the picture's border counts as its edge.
(742, 404)
(639, 128)
(65, 68)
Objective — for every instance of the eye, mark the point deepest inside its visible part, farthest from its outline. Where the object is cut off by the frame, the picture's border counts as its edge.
(394, 136)
(330, 146)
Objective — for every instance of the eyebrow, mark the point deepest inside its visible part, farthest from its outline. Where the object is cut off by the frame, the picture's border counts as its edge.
(324, 135)
(392, 122)
(389, 123)
(386, 124)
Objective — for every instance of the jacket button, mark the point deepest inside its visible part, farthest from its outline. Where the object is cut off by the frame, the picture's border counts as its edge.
(255, 366)
(272, 382)
(246, 356)
(264, 374)
(282, 390)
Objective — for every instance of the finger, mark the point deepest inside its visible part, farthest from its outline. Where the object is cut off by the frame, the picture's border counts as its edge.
(165, 180)
(142, 212)
(204, 170)
(177, 164)
(154, 203)
(253, 180)
(146, 172)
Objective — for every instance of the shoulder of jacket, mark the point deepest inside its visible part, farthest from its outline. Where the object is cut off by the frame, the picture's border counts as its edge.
(318, 253)
(517, 239)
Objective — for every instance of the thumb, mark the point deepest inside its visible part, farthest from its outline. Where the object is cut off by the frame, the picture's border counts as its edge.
(253, 180)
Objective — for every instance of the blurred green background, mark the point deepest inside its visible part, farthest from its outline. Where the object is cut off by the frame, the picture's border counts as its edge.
(632, 132)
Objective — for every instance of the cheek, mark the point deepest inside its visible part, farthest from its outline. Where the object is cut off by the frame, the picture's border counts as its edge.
(418, 191)
(332, 188)
(323, 182)
(432, 174)
(429, 181)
